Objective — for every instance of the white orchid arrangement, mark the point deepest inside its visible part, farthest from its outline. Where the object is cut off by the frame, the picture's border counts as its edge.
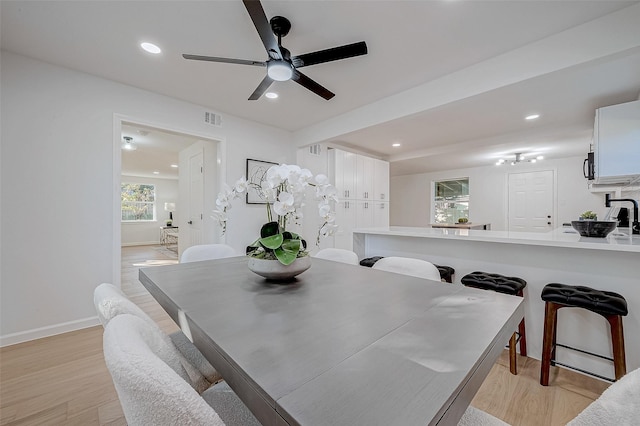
(284, 189)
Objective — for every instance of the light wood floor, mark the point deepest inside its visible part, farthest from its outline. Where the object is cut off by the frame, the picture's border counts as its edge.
(63, 380)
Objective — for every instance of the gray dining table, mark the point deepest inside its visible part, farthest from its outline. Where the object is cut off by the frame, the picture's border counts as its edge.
(342, 344)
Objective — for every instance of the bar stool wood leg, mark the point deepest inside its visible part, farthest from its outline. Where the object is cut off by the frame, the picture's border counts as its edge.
(617, 338)
(548, 340)
(513, 359)
(522, 332)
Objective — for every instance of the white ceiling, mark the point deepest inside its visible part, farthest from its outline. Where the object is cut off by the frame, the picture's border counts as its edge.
(411, 43)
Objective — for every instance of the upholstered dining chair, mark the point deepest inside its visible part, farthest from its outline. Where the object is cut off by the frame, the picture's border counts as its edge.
(207, 252)
(338, 255)
(110, 302)
(408, 266)
(152, 385)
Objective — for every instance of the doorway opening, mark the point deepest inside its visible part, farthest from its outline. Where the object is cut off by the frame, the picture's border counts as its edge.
(156, 160)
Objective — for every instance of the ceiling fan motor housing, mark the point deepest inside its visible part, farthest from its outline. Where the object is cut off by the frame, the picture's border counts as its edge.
(280, 26)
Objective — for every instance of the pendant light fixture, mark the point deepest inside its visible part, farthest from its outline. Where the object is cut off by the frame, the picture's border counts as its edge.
(520, 158)
(128, 144)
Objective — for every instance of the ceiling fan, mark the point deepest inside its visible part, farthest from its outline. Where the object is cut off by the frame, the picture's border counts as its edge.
(281, 66)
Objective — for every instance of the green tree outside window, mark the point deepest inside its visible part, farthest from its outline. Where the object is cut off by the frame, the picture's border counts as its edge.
(138, 202)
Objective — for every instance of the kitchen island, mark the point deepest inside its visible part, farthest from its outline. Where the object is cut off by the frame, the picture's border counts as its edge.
(560, 256)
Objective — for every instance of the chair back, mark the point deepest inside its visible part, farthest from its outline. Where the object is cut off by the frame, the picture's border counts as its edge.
(148, 376)
(110, 302)
(618, 405)
(408, 266)
(207, 252)
(338, 255)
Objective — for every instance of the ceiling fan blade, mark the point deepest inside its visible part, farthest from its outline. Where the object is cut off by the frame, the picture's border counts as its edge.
(225, 60)
(260, 21)
(328, 55)
(262, 87)
(305, 81)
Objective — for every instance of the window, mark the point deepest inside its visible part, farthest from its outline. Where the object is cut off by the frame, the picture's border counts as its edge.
(451, 200)
(138, 202)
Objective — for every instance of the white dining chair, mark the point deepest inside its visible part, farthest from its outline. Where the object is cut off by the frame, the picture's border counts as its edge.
(110, 302)
(618, 405)
(476, 417)
(207, 252)
(338, 255)
(408, 266)
(153, 387)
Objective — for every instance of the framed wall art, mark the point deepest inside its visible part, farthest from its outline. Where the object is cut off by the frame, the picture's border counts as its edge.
(256, 170)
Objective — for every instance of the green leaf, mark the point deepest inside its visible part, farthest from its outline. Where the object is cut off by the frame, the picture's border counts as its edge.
(291, 245)
(272, 242)
(269, 229)
(285, 257)
(253, 246)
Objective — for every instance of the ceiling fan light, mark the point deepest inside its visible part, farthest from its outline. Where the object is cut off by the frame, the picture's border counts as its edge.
(280, 70)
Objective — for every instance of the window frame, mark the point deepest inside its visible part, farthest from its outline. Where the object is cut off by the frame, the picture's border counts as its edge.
(153, 203)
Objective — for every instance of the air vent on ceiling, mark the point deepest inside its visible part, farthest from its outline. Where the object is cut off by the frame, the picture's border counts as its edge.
(213, 118)
(314, 149)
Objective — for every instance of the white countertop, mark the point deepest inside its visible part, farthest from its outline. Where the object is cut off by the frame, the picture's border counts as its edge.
(560, 237)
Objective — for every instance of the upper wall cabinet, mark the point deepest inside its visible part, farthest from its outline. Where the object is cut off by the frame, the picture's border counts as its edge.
(343, 170)
(358, 177)
(381, 184)
(616, 135)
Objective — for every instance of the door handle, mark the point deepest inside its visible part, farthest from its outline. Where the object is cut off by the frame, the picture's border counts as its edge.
(190, 222)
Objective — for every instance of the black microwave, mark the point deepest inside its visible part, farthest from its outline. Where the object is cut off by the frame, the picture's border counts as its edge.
(589, 167)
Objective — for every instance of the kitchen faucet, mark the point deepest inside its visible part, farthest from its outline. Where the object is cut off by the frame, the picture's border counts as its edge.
(635, 226)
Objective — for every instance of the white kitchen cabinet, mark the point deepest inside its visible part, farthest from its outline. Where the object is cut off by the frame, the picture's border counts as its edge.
(364, 217)
(346, 218)
(381, 180)
(365, 177)
(380, 213)
(362, 184)
(344, 173)
(617, 152)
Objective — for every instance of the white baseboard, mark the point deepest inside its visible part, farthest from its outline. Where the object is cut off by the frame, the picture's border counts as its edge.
(51, 330)
(142, 243)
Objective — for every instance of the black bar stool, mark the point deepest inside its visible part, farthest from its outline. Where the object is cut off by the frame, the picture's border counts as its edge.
(508, 285)
(446, 272)
(610, 305)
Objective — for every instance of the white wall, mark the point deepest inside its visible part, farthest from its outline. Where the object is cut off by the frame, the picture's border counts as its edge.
(60, 172)
(411, 194)
(138, 233)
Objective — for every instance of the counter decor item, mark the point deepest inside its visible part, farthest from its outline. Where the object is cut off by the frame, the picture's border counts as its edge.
(279, 254)
(594, 228)
(588, 215)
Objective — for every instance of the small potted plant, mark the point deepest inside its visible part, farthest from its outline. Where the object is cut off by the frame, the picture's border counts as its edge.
(588, 215)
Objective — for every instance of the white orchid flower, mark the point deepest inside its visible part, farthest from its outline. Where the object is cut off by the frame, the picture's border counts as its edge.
(284, 205)
(241, 185)
(268, 192)
(322, 179)
(328, 229)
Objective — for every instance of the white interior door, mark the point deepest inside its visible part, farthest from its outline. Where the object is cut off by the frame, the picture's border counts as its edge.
(531, 201)
(192, 196)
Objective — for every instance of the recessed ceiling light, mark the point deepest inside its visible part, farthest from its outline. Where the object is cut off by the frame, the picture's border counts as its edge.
(271, 95)
(156, 173)
(150, 47)
(175, 166)
(532, 117)
(395, 145)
